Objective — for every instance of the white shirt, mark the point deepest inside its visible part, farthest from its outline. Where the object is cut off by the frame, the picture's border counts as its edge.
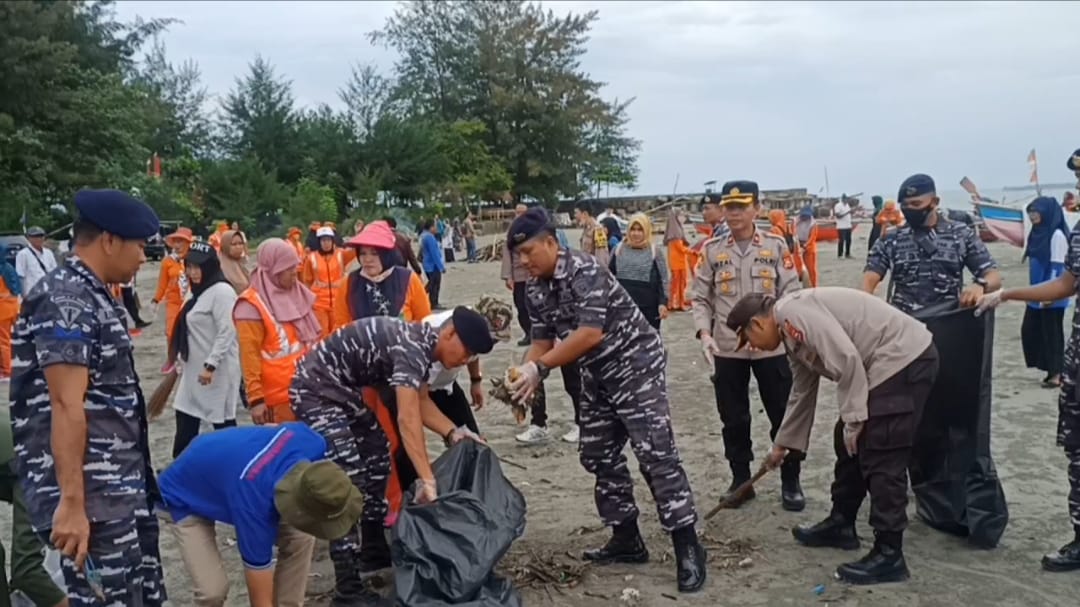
(32, 266)
(1059, 247)
(439, 377)
(842, 222)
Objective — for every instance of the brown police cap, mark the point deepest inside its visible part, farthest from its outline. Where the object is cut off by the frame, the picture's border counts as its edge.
(744, 311)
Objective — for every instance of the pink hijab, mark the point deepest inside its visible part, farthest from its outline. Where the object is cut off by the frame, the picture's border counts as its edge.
(294, 305)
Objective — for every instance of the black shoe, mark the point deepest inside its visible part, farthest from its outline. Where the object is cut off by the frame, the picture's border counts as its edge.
(791, 494)
(525, 341)
(1067, 558)
(833, 532)
(690, 559)
(740, 473)
(883, 564)
(374, 551)
(625, 546)
(141, 324)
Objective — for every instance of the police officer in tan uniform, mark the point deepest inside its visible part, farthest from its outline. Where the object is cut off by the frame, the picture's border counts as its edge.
(747, 260)
(594, 238)
(884, 364)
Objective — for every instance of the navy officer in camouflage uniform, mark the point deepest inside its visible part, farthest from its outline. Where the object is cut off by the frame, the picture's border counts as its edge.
(928, 254)
(395, 358)
(78, 414)
(623, 391)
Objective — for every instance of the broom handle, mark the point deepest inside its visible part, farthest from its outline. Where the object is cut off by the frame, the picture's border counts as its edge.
(741, 489)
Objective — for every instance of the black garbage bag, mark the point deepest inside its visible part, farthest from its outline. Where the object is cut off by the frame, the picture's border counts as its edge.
(956, 486)
(444, 552)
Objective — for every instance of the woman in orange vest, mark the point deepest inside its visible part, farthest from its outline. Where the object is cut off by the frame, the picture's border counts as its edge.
(781, 227)
(806, 232)
(679, 259)
(295, 238)
(214, 239)
(275, 324)
(889, 217)
(172, 283)
(10, 289)
(324, 273)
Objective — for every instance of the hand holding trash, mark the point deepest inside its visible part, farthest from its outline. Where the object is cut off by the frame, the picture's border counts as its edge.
(528, 380)
(426, 492)
(989, 301)
(461, 433)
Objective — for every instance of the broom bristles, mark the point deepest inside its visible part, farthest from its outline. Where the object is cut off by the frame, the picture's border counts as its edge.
(156, 405)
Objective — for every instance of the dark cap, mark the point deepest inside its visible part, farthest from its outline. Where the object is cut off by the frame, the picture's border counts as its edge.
(117, 213)
(528, 225)
(744, 311)
(739, 192)
(35, 231)
(1074, 161)
(711, 198)
(199, 253)
(473, 330)
(914, 186)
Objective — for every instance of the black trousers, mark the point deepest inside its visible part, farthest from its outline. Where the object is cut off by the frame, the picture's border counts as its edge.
(732, 387)
(522, 311)
(434, 285)
(1042, 335)
(455, 405)
(875, 233)
(128, 295)
(571, 378)
(884, 450)
(843, 243)
(187, 428)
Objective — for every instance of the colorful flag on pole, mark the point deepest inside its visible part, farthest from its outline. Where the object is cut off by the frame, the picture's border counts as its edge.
(1034, 170)
(1031, 156)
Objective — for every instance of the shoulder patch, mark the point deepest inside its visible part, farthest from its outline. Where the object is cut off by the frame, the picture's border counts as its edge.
(793, 332)
(775, 236)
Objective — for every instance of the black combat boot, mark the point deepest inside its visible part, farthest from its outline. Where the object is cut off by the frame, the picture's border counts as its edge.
(350, 591)
(690, 559)
(834, 532)
(374, 551)
(625, 546)
(740, 473)
(885, 563)
(1067, 558)
(791, 495)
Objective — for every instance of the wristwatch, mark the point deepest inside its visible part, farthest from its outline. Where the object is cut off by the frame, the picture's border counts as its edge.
(543, 369)
(477, 379)
(209, 367)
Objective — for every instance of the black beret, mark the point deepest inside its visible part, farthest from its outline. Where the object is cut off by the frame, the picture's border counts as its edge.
(914, 186)
(739, 192)
(744, 311)
(199, 253)
(528, 225)
(117, 213)
(1074, 161)
(711, 198)
(473, 329)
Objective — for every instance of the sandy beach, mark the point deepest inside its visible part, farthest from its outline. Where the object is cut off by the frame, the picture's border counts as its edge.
(562, 518)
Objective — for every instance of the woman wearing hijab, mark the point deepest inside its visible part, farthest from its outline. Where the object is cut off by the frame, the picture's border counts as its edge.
(806, 233)
(381, 286)
(875, 227)
(1042, 332)
(233, 260)
(324, 272)
(172, 282)
(641, 269)
(679, 257)
(204, 347)
(614, 233)
(275, 324)
(10, 289)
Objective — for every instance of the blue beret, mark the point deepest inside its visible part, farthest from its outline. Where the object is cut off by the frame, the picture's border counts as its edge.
(528, 225)
(915, 186)
(117, 213)
(739, 192)
(473, 330)
(1074, 161)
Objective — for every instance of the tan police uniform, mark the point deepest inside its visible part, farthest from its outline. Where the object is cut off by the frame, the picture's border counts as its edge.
(594, 241)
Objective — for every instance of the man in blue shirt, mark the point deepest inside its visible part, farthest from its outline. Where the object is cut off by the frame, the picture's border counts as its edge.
(432, 258)
(274, 485)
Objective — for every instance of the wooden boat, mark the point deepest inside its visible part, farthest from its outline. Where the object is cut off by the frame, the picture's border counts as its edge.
(1010, 224)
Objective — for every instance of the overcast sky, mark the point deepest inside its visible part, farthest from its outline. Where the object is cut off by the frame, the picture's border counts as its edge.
(771, 91)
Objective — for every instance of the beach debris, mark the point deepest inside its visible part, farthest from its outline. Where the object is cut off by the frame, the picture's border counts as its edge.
(500, 391)
(746, 562)
(544, 569)
(819, 589)
(630, 596)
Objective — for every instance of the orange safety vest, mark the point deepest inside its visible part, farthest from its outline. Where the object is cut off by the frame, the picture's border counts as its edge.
(281, 350)
(329, 271)
(299, 247)
(9, 303)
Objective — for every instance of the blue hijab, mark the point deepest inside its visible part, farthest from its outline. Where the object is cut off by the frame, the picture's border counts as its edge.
(1052, 219)
(8, 273)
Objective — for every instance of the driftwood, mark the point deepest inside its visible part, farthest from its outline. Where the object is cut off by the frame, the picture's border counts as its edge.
(493, 252)
(545, 569)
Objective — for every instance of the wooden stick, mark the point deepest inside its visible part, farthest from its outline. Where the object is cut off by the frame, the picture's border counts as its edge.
(737, 494)
(514, 464)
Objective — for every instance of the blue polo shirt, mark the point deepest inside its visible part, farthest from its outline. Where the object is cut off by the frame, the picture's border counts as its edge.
(229, 476)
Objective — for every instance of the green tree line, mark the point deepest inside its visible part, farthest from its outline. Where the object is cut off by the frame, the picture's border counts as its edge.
(487, 103)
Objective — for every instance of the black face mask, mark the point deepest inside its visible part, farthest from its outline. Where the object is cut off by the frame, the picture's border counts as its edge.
(916, 218)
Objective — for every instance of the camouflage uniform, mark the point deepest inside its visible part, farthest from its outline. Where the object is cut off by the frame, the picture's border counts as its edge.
(1068, 432)
(928, 265)
(624, 394)
(374, 352)
(71, 318)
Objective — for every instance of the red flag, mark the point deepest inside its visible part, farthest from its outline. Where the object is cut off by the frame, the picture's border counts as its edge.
(1034, 175)
(1031, 156)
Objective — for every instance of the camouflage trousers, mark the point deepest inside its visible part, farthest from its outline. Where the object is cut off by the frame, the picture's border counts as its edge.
(1074, 486)
(356, 442)
(627, 400)
(125, 554)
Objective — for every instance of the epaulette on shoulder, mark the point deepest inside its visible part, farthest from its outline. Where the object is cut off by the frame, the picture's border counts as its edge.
(775, 236)
(715, 239)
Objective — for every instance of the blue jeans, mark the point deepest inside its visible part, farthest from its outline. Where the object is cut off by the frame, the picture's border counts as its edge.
(470, 247)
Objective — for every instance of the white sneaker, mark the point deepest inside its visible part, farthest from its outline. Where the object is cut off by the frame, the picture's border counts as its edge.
(572, 436)
(534, 435)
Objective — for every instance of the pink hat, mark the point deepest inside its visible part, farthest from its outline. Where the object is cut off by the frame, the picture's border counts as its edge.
(376, 234)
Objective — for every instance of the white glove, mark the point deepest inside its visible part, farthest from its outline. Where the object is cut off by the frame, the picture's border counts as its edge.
(461, 433)
(852, 430)
(527, 382)
(426, 492)
(988, 301)
(709, 349)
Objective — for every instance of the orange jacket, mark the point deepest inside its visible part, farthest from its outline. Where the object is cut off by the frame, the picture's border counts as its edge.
(417, 304)
(269, 352)
(680, 255)
(9, 304)
(890, 216)
(168, 288)
(299, 246)
(324, 274)
(786, 229)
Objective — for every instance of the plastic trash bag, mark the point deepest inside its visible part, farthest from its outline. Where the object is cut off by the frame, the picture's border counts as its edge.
(444, 553)
(956, 486)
